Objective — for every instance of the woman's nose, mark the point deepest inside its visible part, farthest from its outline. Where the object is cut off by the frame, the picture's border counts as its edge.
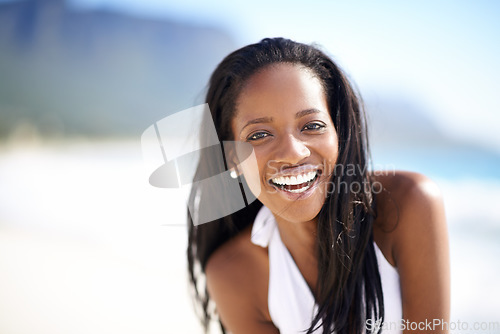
(291, 150)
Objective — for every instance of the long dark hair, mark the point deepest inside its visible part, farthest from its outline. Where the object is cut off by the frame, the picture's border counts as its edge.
(349, 287)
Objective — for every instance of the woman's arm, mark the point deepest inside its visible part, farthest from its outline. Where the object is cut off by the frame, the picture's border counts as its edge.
(237, 282)
(421, 254)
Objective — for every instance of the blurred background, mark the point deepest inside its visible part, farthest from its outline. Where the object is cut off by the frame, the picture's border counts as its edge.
(88, 246)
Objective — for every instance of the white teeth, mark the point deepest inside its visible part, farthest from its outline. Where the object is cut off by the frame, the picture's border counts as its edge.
(298, 190)
(295, 180)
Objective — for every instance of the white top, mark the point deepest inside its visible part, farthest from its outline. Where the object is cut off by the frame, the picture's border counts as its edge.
(290, 301)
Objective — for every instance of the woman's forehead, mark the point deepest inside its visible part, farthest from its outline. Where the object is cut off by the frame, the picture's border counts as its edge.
(281, 87)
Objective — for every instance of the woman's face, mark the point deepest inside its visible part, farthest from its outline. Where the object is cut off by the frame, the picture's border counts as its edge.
(283, 113)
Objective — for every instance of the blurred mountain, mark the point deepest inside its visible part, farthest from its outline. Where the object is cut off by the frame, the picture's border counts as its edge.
(395, 120)
(98, 72)
(68, 72)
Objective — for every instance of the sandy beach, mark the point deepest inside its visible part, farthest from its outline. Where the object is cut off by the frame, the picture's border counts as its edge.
(88, 246)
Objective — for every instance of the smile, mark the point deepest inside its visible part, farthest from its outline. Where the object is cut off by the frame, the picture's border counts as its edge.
(296, 183)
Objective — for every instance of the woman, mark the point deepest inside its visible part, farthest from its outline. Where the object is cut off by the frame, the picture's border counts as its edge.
(328, 246)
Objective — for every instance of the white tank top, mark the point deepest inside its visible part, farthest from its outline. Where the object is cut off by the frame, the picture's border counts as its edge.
(290, 301)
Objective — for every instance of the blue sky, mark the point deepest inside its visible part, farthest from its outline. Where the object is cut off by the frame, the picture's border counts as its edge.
(442, 55)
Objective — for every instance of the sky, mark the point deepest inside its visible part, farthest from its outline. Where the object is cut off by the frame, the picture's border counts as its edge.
(441, 55)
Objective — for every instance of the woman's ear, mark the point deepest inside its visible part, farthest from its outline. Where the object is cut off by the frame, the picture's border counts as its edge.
(233, 173)
(234, 168)
(233, 153)
(242, 164)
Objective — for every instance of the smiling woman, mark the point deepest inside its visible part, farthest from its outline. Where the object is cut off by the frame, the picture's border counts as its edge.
(282, 111)
(322, 249)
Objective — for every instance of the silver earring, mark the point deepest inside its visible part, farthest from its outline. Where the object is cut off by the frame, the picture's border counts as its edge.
(233, 174)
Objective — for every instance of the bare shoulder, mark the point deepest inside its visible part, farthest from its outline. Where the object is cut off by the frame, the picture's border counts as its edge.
(233, 259)
(408, 187)
(409, 207)
(237, 279)
(407, 202)
(411, 225)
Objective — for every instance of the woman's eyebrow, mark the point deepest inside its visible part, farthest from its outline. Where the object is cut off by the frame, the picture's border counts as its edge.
(257, 121)
(306, 112)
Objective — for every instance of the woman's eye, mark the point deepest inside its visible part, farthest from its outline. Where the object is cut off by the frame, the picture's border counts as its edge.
(257, 135)
(314, 126)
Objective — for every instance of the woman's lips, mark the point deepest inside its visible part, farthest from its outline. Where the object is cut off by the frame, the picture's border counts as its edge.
(297, 180)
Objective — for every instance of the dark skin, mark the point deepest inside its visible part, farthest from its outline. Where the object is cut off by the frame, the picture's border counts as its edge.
(410, 228)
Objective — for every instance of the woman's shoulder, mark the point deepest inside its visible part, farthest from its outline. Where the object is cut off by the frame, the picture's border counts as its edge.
(403, 181)
(415, 238)
(409, 208)
(234, 255)
(237, 275)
